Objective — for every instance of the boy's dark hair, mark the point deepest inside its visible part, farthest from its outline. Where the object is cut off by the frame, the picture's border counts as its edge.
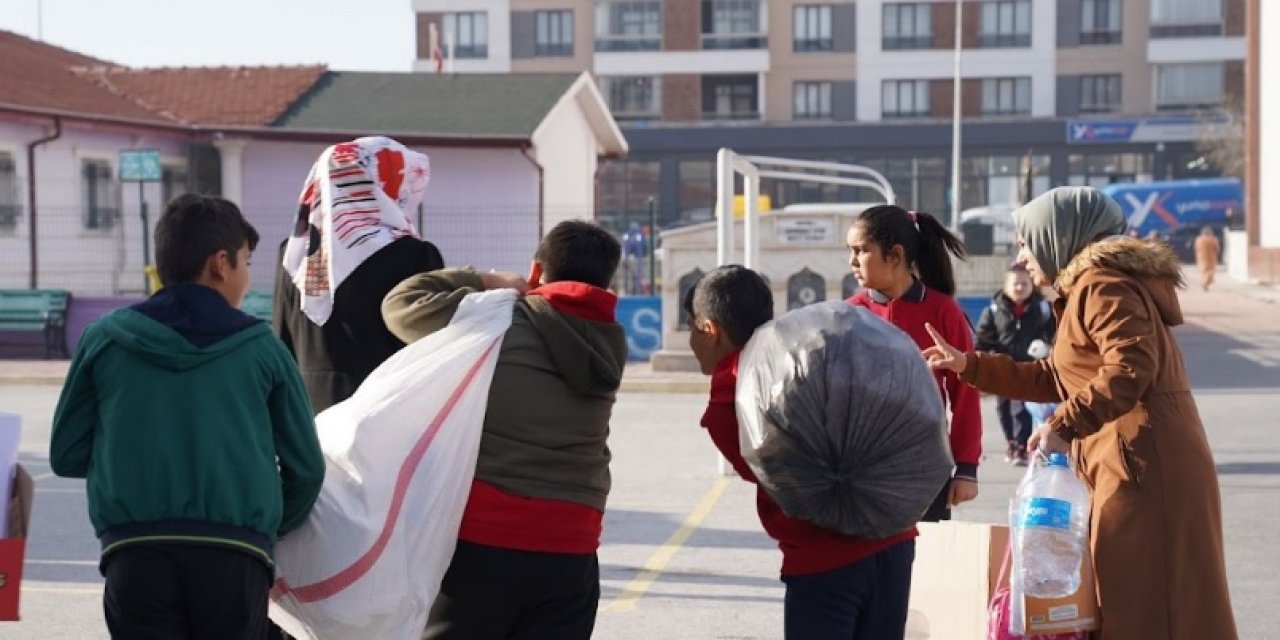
(734, 297)
(1017, 268)
(579, 251)
(925, 241)
(195, 227)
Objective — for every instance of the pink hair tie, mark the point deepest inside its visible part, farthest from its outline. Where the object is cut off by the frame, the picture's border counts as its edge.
(915, 220)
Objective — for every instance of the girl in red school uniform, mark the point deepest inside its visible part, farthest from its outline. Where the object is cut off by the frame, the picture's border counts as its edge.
(902, 260)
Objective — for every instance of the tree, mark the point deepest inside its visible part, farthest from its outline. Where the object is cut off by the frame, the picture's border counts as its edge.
(1221, 142)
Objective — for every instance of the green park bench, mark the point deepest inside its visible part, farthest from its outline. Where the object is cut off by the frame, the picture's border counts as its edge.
(257, 304)
(37, 310)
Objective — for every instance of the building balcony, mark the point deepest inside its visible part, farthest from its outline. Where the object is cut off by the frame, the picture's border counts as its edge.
(624, 43)
(717, 41)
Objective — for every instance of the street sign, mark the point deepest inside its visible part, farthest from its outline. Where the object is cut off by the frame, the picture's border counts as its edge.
(806, 231)
(140, 165)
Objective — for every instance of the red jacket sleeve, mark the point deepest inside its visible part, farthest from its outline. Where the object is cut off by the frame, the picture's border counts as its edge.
(721, 422)
(963, 400)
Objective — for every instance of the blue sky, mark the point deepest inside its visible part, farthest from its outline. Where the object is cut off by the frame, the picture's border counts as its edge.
(364, 35)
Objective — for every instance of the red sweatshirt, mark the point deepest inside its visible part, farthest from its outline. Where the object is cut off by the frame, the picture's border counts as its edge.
(917, 306)
(496, 518)
(806, 548)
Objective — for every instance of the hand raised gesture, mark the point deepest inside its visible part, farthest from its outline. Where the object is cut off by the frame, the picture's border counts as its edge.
(942, 355)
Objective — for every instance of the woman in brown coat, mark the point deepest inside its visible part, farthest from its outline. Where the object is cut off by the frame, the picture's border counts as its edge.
(1127, 416)
(1208, 249)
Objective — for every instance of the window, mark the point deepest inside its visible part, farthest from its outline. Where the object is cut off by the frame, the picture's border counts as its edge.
(1006, 96)
(730, 97)
(634, 97)
(904, 99)
(697, 196)
(1180, 18)
(625, 189)
(1188, 86)
(467, 34)
(1006, 23)
(554, 33)
(99, 195)
(10, 206)
(1100, 21)
(629, 26)
(1102, 169)
(812, 28)
(996, 180)
(908, 26)
(812, 100)
(173, 182)
(1099, 94)
(732, 24)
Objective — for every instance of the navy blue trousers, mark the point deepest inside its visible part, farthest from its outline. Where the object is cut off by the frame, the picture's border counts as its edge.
(866, 600)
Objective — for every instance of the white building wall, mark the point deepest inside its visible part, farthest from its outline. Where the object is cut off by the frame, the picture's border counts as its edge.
(566, 148)
(876, 65)
(101, 261)
(638, 63)
(1177, 50)
(1269, 122)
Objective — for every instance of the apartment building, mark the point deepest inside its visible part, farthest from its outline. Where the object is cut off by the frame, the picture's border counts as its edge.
(1085, 91)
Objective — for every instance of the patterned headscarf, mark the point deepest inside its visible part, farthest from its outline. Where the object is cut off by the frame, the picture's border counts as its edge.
(1058, 224)
(359, 198)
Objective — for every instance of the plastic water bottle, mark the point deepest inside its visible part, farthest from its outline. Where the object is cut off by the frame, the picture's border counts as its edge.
(1053, 519)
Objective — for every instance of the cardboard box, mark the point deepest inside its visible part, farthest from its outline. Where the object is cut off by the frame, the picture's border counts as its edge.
(1076, 612)
(14, 545)
(956, 572)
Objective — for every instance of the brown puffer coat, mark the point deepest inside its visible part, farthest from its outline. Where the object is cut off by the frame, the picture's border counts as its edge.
(1137, 439)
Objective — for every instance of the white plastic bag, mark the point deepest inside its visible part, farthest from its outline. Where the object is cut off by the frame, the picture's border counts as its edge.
(400, 457)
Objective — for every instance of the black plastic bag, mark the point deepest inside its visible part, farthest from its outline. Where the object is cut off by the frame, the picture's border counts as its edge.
(842, 421)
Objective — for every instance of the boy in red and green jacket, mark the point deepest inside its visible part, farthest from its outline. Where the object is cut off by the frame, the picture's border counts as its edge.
(837, 586)
(526, 560)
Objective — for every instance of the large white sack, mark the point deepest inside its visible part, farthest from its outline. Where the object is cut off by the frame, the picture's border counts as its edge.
(400, 457)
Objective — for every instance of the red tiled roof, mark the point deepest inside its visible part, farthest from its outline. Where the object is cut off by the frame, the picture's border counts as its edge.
(233, 96)
(41, 76)
(38, 75)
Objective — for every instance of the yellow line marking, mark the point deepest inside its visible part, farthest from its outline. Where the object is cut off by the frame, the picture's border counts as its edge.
(626, 601)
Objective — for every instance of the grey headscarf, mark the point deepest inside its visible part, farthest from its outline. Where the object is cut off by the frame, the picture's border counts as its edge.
(1058, 224)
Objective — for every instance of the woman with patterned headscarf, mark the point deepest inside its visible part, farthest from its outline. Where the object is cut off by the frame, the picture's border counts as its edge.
(353, 241)
(1126, 414)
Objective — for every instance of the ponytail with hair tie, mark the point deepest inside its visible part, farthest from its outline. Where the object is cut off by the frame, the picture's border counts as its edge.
(927, 244)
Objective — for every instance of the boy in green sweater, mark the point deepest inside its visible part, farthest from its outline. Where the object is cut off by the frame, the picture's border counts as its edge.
(192, 426)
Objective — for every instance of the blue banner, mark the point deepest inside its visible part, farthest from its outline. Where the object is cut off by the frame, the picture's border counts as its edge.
(641, 319)
(1101, 130)
(1164, 129)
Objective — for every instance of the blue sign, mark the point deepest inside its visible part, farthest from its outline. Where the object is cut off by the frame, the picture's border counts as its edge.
(140, 165)
(641, 319)
(1167, 129)
(1101, 130)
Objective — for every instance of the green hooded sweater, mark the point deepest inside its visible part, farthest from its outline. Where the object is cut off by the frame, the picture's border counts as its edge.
(191, 424)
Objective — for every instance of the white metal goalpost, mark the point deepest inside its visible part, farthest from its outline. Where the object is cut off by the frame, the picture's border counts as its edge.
(729, 164)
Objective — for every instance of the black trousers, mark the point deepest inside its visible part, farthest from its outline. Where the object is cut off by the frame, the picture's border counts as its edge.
(1019, 432)
(495, 594)
(167, 592)
(866, 600)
